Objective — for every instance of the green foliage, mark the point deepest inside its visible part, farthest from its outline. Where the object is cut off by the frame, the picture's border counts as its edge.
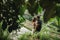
(48, 32)
(22, 10)
(3, 34)
(40, 9)
(48, 29)
(25, 36)
(21, 19)
(32, 7)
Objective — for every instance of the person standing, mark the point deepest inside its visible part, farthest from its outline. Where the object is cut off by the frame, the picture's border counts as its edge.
(37, 23)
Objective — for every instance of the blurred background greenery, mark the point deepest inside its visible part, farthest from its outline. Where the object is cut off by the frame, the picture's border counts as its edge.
(21, 10)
